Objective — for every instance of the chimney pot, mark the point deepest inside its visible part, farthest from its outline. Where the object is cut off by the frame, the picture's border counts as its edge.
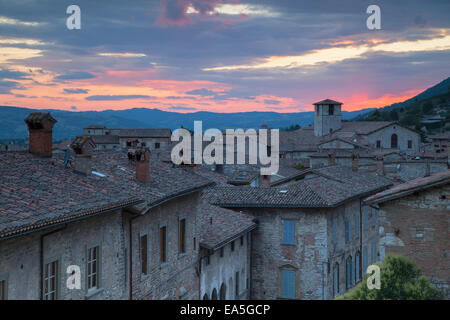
(265, 181)
(354, 162)
(143, 165)
(40, 129)
(83, 147)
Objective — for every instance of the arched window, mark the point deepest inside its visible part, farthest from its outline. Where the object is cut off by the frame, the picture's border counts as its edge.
(394, 141)
(358, 267)
(214, 294)
(349, 272)
(222, 292)
(336, 279)
(205, 297)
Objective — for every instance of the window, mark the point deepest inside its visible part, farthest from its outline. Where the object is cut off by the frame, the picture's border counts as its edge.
(157, 145)
(221, 252)
(288, 232)
(3, 288)
(317, 110)
(93, 260)
(394, 141)
(357, 267)
(357, 226)
(232, 245)
(242, 241)
(51, 281)
(144, 255)
(365, 259)
(182, 236)
(334, 229)
(214, 294)
(237, 285)
(409, 144)
(222, 292)
(374, 252)
(347, 230)
(374, 217)
(336, 279)
(288, 283)
(162, 243)
(349, 272)
(378, 144)
(331, 109)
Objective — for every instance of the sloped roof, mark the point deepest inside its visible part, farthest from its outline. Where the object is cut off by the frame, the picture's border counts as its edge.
(330, 187)
(220, 226)
(407, 188)
(328, 101)
(36, 192)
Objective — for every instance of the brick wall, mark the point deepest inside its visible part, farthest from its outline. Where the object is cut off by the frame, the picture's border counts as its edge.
(417, 227)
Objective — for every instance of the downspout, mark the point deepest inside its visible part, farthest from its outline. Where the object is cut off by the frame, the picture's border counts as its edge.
(131, 257)
(250, 286)
(41, 281)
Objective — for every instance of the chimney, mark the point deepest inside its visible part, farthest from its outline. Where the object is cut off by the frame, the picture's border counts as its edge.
(331, 160)
(83, 146)
(380, 165)
(143, 165)
(40, 128)
(354, 162)
(264, 181)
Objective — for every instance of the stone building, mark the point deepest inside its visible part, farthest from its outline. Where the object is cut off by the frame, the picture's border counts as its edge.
(414, 222)
(314, 236)
(225, 264)
(107, 138)
(330, 132)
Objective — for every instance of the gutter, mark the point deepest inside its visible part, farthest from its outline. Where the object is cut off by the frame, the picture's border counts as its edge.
(63, 220)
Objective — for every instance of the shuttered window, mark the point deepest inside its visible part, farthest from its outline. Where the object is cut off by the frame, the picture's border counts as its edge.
(349, 272)
(336, 279)
(335, 230)
(357, 226)
(374, 252)
(357, 267)
(288, 232)
(3, 289)
(144, 254)
(365, 259)
(374, 217)
(163, 244)
(347, 230)
(288, 284)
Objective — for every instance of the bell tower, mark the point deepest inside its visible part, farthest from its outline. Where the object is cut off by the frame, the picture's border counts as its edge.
(327, 117)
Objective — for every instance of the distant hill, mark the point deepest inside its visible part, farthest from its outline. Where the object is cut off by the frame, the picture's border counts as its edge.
(70, 124)
(419, 112)
(442, 87)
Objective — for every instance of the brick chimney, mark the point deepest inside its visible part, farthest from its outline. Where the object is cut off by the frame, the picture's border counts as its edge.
(355, 162)
(380, 165)
(331, 159)
(264, 181)
(143, 165)
(83, 147)
(40, 129)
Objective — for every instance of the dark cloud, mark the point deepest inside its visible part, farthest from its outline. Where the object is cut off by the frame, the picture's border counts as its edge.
(117, 97)
(201, 92)
(8, 74)
(75, 91)
(78, 75)
(269, 101)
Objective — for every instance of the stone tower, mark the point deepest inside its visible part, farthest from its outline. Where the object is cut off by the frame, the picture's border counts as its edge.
(327, 117)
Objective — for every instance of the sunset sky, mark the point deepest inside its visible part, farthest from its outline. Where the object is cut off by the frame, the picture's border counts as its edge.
(219, 55)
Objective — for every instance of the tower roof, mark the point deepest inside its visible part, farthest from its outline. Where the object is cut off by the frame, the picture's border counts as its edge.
(327, 101)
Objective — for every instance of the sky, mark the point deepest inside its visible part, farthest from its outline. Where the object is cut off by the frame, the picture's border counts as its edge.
(220, 55)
